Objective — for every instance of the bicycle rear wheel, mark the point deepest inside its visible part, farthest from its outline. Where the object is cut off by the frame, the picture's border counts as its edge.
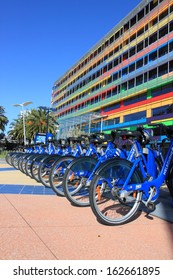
(105, 200)
(76, 181)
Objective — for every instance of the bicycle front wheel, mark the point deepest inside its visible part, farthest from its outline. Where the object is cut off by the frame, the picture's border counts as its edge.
(57, 172)
(105, 200)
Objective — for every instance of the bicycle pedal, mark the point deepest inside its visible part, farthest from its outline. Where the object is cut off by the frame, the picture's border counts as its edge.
(151, 206)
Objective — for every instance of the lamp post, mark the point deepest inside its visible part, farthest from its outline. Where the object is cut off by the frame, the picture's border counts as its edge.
(24, 128)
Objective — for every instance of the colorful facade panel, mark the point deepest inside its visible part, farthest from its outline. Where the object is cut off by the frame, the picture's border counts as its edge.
(127, 77)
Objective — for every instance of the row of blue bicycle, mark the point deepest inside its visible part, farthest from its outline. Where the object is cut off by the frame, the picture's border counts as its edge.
(96, 171)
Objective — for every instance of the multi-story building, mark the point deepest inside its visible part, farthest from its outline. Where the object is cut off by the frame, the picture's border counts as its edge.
(126, 79)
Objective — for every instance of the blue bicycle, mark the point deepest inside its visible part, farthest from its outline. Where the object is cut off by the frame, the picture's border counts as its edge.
(57, 171)
(119, 187)
(79, 173)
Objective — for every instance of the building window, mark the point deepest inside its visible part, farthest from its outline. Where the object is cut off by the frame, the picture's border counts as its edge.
(153, 74)
(131, 83)
(171, 26)
(163, 50)
(163, 110)
(140, 46)
(139, 63)
(163, 69)
(141, 14)
(163, 15)
(132, 52)
(131, 67)
(153, 56)
(135, 99)
(135, 116)
(153, 38)
(139, 80)
(133, 21)
(163, 31)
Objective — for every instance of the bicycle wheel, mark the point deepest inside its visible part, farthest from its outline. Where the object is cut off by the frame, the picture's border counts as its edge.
(26, 163)
(77, 179)
(33, 169)
(57, 172)
(44, 169)
(105, 200)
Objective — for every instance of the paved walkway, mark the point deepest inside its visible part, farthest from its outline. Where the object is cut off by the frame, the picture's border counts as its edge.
(47, 227)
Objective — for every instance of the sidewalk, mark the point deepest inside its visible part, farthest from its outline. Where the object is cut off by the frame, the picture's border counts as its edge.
(47, 227)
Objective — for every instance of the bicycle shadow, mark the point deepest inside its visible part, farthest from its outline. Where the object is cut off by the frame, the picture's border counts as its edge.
(164, 207)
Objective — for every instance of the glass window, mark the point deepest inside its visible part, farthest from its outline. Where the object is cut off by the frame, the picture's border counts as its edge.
(163, 110)
(125, 56)
(141, 14)
(115, 76)
(135, 99)
(171, 66)
(155, 21)
(140, 31)
(125, 71)
(131, 51)
(153, 38)
(171, 26)
(163, 69)
(124, 86)
(163, 14)
(126, 26)
(140, 46)
(115, 62)
(132, 21)
(163, 50)
(153, 74)
(163, 31)
(153, 56)
(133, 37)
(135, 116)
(139, 63)
(131, 83)
(153, 4)
(131, 67)
(139, 80)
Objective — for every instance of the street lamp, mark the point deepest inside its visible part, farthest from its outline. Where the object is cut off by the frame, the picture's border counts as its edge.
(48, 110)
(24, 128)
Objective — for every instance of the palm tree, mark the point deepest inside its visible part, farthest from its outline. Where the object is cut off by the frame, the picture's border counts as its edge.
(3, 118)
(35, 121)
(40, 121)
(16, 130)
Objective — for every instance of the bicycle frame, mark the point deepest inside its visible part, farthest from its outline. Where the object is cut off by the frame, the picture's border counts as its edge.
(150, 188)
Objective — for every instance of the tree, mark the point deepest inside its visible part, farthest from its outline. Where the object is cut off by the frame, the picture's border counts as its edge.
(35, 121)
(16, 130)
(3, 118)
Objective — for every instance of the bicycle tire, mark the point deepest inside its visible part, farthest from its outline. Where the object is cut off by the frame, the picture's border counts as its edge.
(105, 203)
(35, 166)
(57, 172)
(44, 169)
(75, 187)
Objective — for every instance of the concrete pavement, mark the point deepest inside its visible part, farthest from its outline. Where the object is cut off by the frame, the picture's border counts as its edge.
(48, 227)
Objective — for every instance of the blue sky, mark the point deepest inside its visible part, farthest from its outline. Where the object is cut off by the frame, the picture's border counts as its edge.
(42, 39)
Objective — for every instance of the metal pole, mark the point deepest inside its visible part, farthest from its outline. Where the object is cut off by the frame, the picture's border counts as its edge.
(24, 128)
